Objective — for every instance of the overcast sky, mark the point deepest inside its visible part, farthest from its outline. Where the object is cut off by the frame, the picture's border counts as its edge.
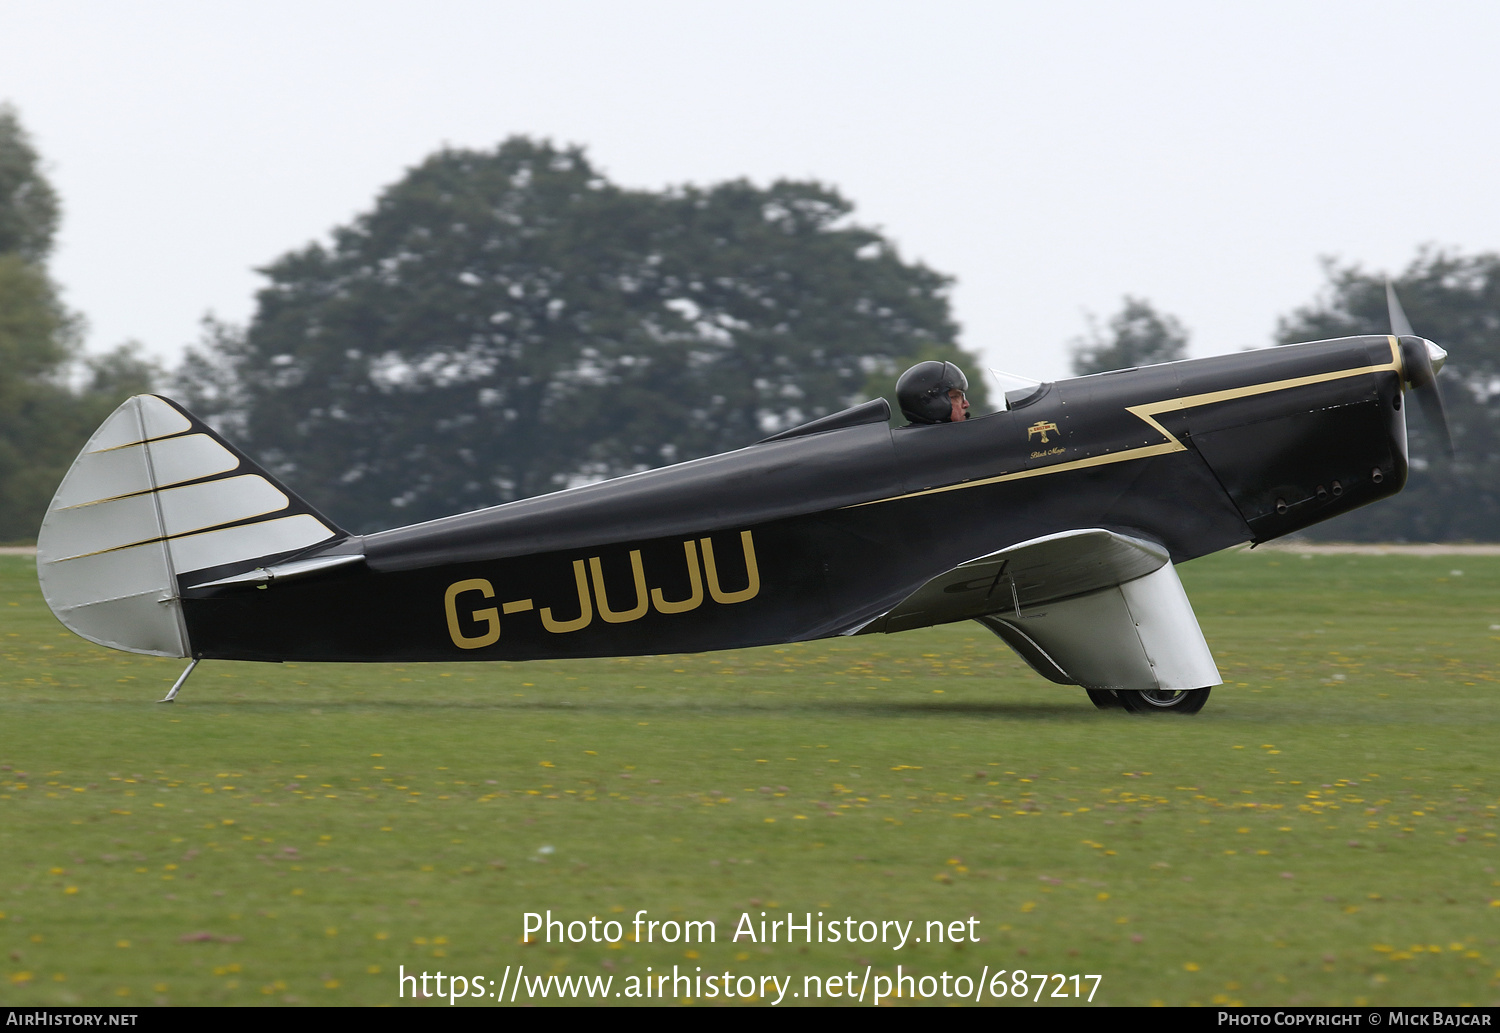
(1052, 157)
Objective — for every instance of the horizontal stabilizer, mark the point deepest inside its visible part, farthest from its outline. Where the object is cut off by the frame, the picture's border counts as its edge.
(156, 494)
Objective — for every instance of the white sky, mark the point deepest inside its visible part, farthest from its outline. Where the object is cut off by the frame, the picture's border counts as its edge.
(1052, 156)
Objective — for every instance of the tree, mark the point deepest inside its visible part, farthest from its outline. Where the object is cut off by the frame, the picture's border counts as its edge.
(1454, 300)
(505, 323)
(28, 203)
(43, 419)
(36, 338)
(1138, 336)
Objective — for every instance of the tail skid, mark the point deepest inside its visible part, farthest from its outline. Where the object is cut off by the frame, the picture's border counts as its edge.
(156, 494)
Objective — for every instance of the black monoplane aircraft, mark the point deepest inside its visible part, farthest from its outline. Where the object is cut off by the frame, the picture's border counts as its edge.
(1056, 523)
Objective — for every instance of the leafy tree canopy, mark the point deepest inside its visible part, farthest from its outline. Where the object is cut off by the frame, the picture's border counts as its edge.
(1137, 335)
(1454, 300)
(28, 204)
(505, 323)
(43, 419)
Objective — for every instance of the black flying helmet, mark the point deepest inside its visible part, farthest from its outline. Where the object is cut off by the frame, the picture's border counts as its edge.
(923, 390)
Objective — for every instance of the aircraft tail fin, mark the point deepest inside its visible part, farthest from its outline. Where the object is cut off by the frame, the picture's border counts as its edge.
(154, 495)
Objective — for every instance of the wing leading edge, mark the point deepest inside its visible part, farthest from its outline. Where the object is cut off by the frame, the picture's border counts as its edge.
(1087, 607)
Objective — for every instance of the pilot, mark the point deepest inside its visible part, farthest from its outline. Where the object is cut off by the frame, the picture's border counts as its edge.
(933, 392)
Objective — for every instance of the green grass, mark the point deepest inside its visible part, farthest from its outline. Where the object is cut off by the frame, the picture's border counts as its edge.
(1323, 833)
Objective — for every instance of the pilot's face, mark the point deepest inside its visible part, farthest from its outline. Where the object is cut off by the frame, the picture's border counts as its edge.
(960, 406)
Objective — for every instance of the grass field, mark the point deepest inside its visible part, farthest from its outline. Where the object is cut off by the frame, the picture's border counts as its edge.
(1323, 833)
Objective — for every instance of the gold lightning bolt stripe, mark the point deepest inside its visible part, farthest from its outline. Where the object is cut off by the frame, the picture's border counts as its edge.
(1148, 412)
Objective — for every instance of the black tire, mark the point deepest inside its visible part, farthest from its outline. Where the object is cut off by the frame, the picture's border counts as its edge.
(1164, 701)
(1104, 699)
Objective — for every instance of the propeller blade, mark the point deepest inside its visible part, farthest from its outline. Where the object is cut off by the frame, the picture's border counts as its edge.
(1437, 417)
(1422, 360)
(1399, 325)
(1417, 356)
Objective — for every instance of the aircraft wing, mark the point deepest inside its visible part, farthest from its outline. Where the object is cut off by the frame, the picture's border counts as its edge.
(1087, 607)
(1027, 575)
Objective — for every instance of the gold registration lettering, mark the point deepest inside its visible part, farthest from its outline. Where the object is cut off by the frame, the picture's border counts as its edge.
(642, 599)
(585, 605)
(695, 584)
(489, 615)
(588, 584)
(750, 591)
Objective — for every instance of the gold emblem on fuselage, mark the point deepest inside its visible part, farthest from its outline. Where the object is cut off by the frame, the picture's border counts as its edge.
(1043, 428)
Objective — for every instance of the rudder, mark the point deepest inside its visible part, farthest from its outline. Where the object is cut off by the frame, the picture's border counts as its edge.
(156, 494)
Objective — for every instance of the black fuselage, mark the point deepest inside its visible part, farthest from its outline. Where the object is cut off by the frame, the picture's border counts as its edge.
(820, 534)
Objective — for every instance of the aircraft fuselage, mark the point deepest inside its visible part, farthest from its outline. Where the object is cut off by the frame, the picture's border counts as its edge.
(821, 534)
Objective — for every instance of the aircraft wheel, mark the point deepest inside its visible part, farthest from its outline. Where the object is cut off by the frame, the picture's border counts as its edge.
(1104, 699)
(1164, 701)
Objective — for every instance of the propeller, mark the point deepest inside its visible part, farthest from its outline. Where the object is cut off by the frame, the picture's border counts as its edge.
(1422, 360)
